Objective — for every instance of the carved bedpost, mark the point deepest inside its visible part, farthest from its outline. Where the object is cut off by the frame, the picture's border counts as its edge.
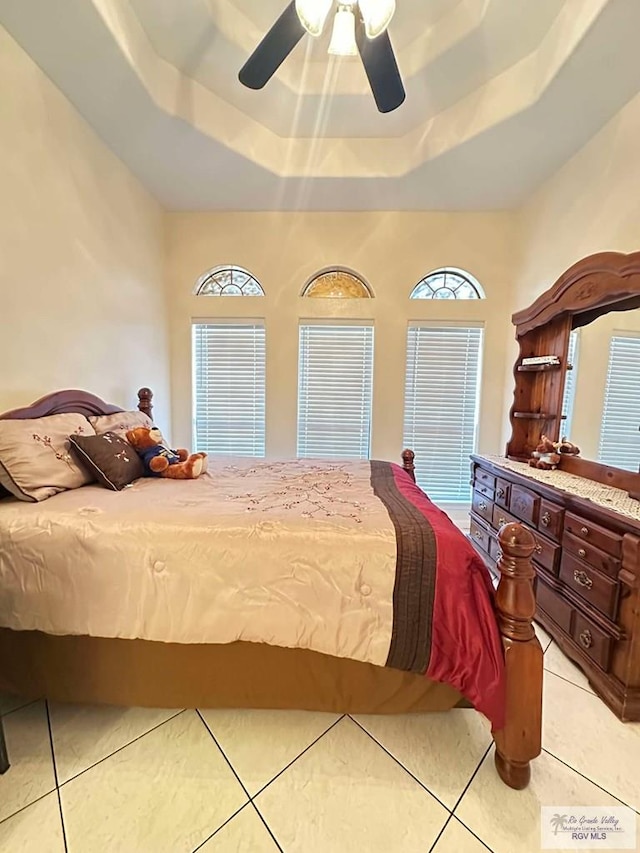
(407, 463)
(520, 739)
(145, 401)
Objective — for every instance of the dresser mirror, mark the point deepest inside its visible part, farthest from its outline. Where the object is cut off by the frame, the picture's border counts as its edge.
(593, 302)
(601, 400)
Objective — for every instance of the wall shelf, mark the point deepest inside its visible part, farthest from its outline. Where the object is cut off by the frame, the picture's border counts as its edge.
(534, 416)
(537, 368)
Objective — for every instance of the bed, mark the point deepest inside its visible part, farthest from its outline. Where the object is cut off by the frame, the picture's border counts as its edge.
(317, 585)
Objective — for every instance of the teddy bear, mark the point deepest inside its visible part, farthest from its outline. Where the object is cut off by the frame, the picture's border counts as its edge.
(567, 448)
(160, 461)
(545, 456)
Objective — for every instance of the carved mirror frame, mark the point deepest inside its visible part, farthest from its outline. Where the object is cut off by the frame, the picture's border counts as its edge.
(596, 285)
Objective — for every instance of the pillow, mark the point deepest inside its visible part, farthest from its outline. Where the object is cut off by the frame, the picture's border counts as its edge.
(35, 462)
(120, 423)
(110, 459)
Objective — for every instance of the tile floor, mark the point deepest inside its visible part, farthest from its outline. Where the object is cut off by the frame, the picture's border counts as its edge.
(131, 780)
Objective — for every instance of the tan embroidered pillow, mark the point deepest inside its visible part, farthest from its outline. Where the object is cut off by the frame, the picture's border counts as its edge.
(35, 462)
(120, 423)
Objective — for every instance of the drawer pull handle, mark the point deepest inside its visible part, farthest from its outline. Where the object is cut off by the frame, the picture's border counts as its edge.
(538, 549)
(545, 520)
(500, 493)
(499, 555)
(582, 553)
(583, 579)
(478, 534)
(586, 639)
(501, 521)
(482, 506)
(584, 531)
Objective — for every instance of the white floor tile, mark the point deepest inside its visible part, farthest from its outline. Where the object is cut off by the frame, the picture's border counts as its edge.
(557, 662)
(579, 729)
(165, 793)
(245, 833)
(457, 839)
(346, 794)
(441, 750)
(508, 821)
(36, 829)
(10, 702)
(85, 734)
(543, 637)
(259, 744)
(31, 772)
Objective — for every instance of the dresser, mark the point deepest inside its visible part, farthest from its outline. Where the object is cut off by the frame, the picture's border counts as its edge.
(587, 562)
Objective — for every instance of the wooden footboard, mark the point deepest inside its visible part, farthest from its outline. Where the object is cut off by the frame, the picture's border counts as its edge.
(520, 740)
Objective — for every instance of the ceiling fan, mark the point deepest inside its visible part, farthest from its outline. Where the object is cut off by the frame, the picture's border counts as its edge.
(359, 26)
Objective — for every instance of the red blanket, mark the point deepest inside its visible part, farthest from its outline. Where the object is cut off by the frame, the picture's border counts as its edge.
(444, 622)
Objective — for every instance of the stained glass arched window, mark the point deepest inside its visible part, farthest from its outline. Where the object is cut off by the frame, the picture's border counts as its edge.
(337, 283)
(448, 283)
(228, 281)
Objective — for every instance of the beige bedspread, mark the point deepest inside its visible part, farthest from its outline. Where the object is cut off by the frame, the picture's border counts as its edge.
(295, 554)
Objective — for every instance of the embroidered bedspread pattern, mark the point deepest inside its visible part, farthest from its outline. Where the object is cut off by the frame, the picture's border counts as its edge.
(297, 553)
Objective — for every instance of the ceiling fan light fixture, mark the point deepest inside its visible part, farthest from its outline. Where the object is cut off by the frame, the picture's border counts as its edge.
(377, 15)
(343, 37)
(313, 14)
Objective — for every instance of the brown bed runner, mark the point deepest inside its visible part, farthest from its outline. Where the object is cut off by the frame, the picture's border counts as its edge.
(415, 582)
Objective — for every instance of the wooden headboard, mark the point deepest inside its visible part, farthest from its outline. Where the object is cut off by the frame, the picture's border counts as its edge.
(79, 402)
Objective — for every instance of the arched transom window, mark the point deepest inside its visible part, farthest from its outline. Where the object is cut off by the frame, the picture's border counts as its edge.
(337, 283)
(448, 283)
(228, 281)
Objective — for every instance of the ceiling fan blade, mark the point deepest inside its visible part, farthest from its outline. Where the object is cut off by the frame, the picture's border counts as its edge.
(274, 48)
(381, 68)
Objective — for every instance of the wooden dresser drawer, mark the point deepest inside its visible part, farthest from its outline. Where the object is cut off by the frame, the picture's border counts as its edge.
(551, 520)
(546, 553)
(590, 554)
(592, 640)
(602, 538)
(597, 589)
(554, 606)
(500, 517)
(494, 548)
(503, 491)
(484, 490)
(479, 536)
(485, 478)
(482, 505)
(524, 504)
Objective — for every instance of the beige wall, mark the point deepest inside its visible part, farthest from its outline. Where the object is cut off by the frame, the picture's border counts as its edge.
(393, 251)
(81, 253)
(590, 205)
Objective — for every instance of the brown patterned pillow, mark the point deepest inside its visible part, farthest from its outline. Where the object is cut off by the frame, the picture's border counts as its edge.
(110, 459)
(120, 423)
(35, 462)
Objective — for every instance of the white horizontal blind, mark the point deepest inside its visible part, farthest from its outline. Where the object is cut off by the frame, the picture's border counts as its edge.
(335, 375)
(229, 388)
(620, 435)
(441, 406)
(570, 379)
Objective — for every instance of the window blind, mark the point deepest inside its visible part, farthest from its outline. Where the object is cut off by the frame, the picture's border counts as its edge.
(620, 435)
(335, 375)
(441, 406)
(570, 379)
(229, 388)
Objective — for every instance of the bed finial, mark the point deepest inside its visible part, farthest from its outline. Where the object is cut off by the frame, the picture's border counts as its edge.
(145, 401)
(407, 463)
(520, 740)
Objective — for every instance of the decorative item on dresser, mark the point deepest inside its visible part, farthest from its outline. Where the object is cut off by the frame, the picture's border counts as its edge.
(584, 516)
